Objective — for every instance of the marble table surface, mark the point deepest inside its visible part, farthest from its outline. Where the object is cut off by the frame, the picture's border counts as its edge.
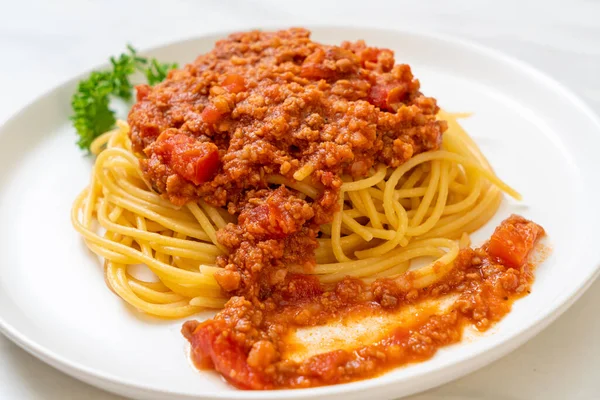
(45, 42)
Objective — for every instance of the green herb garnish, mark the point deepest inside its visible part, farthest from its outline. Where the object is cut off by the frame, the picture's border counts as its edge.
(92, 115)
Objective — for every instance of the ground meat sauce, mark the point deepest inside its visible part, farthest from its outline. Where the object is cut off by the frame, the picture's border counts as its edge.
(246, 340)
(263, 104)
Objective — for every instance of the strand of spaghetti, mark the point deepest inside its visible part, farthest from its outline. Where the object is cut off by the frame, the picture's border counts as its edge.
(115, 214)
(458, 134)
(114, 152)
(213, 214)
(183, 263)
(414, 192)
(123, 168)
(427, 199)
(207, 302)
(467, 201)
(357, 202)
(179, 215)
(442, 195)
(118, 281)
(205, 224)
(148, 197)
(357, 228)
(154, 237)
(209, 269)
(302, 187)
(464, 241)
(304, 172)
(382, 264)
(482, 217)
(190, 291)
(85, 232)
(153, 296)
(445, 220)
(158, 254)
(122, 186)
(390, 272)
(355, 213)
(381, 233)
(421, 190)
(175, 225)
(326, 230)
(352, 264)
(336, 227)
(347, 243)
(153, 226)
(108, 254)
(185, 253)
(446, 155)
(463, 189)
(433, 272)
(415, 177)
(391, 244)
(376, 193)
(457, 225)
(374, 179)
(98, 143)
(460, 206)
(156, 266)
(370, 208)
(90, 200)
(156, 286)
(140, 222)
(423, 157)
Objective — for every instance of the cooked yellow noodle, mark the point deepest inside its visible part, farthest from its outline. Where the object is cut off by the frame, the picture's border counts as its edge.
(385, 221)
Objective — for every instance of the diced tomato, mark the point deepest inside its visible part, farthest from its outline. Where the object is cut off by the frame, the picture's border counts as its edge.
(195, 161)
(369, 54)
(387, 96)
(227, 357)
(264, 221)
(211, 115)
(276, 218)
(313, 67)
(316, 71)
(142, 91)
(513, 240)
(234, 83)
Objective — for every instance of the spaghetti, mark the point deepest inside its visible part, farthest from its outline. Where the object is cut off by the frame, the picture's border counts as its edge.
(386, 221)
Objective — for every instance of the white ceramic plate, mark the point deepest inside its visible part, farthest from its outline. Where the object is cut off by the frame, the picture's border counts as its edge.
(53, 301)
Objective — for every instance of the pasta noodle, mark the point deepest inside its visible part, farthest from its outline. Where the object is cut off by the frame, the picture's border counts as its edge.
(421, 210)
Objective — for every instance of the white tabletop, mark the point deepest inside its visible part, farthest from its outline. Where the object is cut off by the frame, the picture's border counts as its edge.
(45, 42)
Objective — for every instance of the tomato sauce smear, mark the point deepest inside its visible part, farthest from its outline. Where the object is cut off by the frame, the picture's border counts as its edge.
(246, 341)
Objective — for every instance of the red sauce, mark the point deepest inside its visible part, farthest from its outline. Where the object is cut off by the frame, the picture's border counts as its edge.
(245, 341)
(271, 103)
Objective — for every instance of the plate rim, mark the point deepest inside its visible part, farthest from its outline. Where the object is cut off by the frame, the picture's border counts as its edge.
(510, 342)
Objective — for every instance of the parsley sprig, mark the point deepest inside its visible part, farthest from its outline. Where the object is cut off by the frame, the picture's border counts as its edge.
(92, 115)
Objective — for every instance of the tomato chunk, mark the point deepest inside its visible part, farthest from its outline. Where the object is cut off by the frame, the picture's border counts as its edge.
(211, 115)
(279, 216)
(387, 96)
(234, 83)
(195, 161)
(513, 240)
(209, 346)
(369, 54)
(142, 91)
(313, 67)
(265, 221)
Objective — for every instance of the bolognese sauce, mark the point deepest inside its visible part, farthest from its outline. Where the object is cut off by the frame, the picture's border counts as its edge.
(262, 104)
